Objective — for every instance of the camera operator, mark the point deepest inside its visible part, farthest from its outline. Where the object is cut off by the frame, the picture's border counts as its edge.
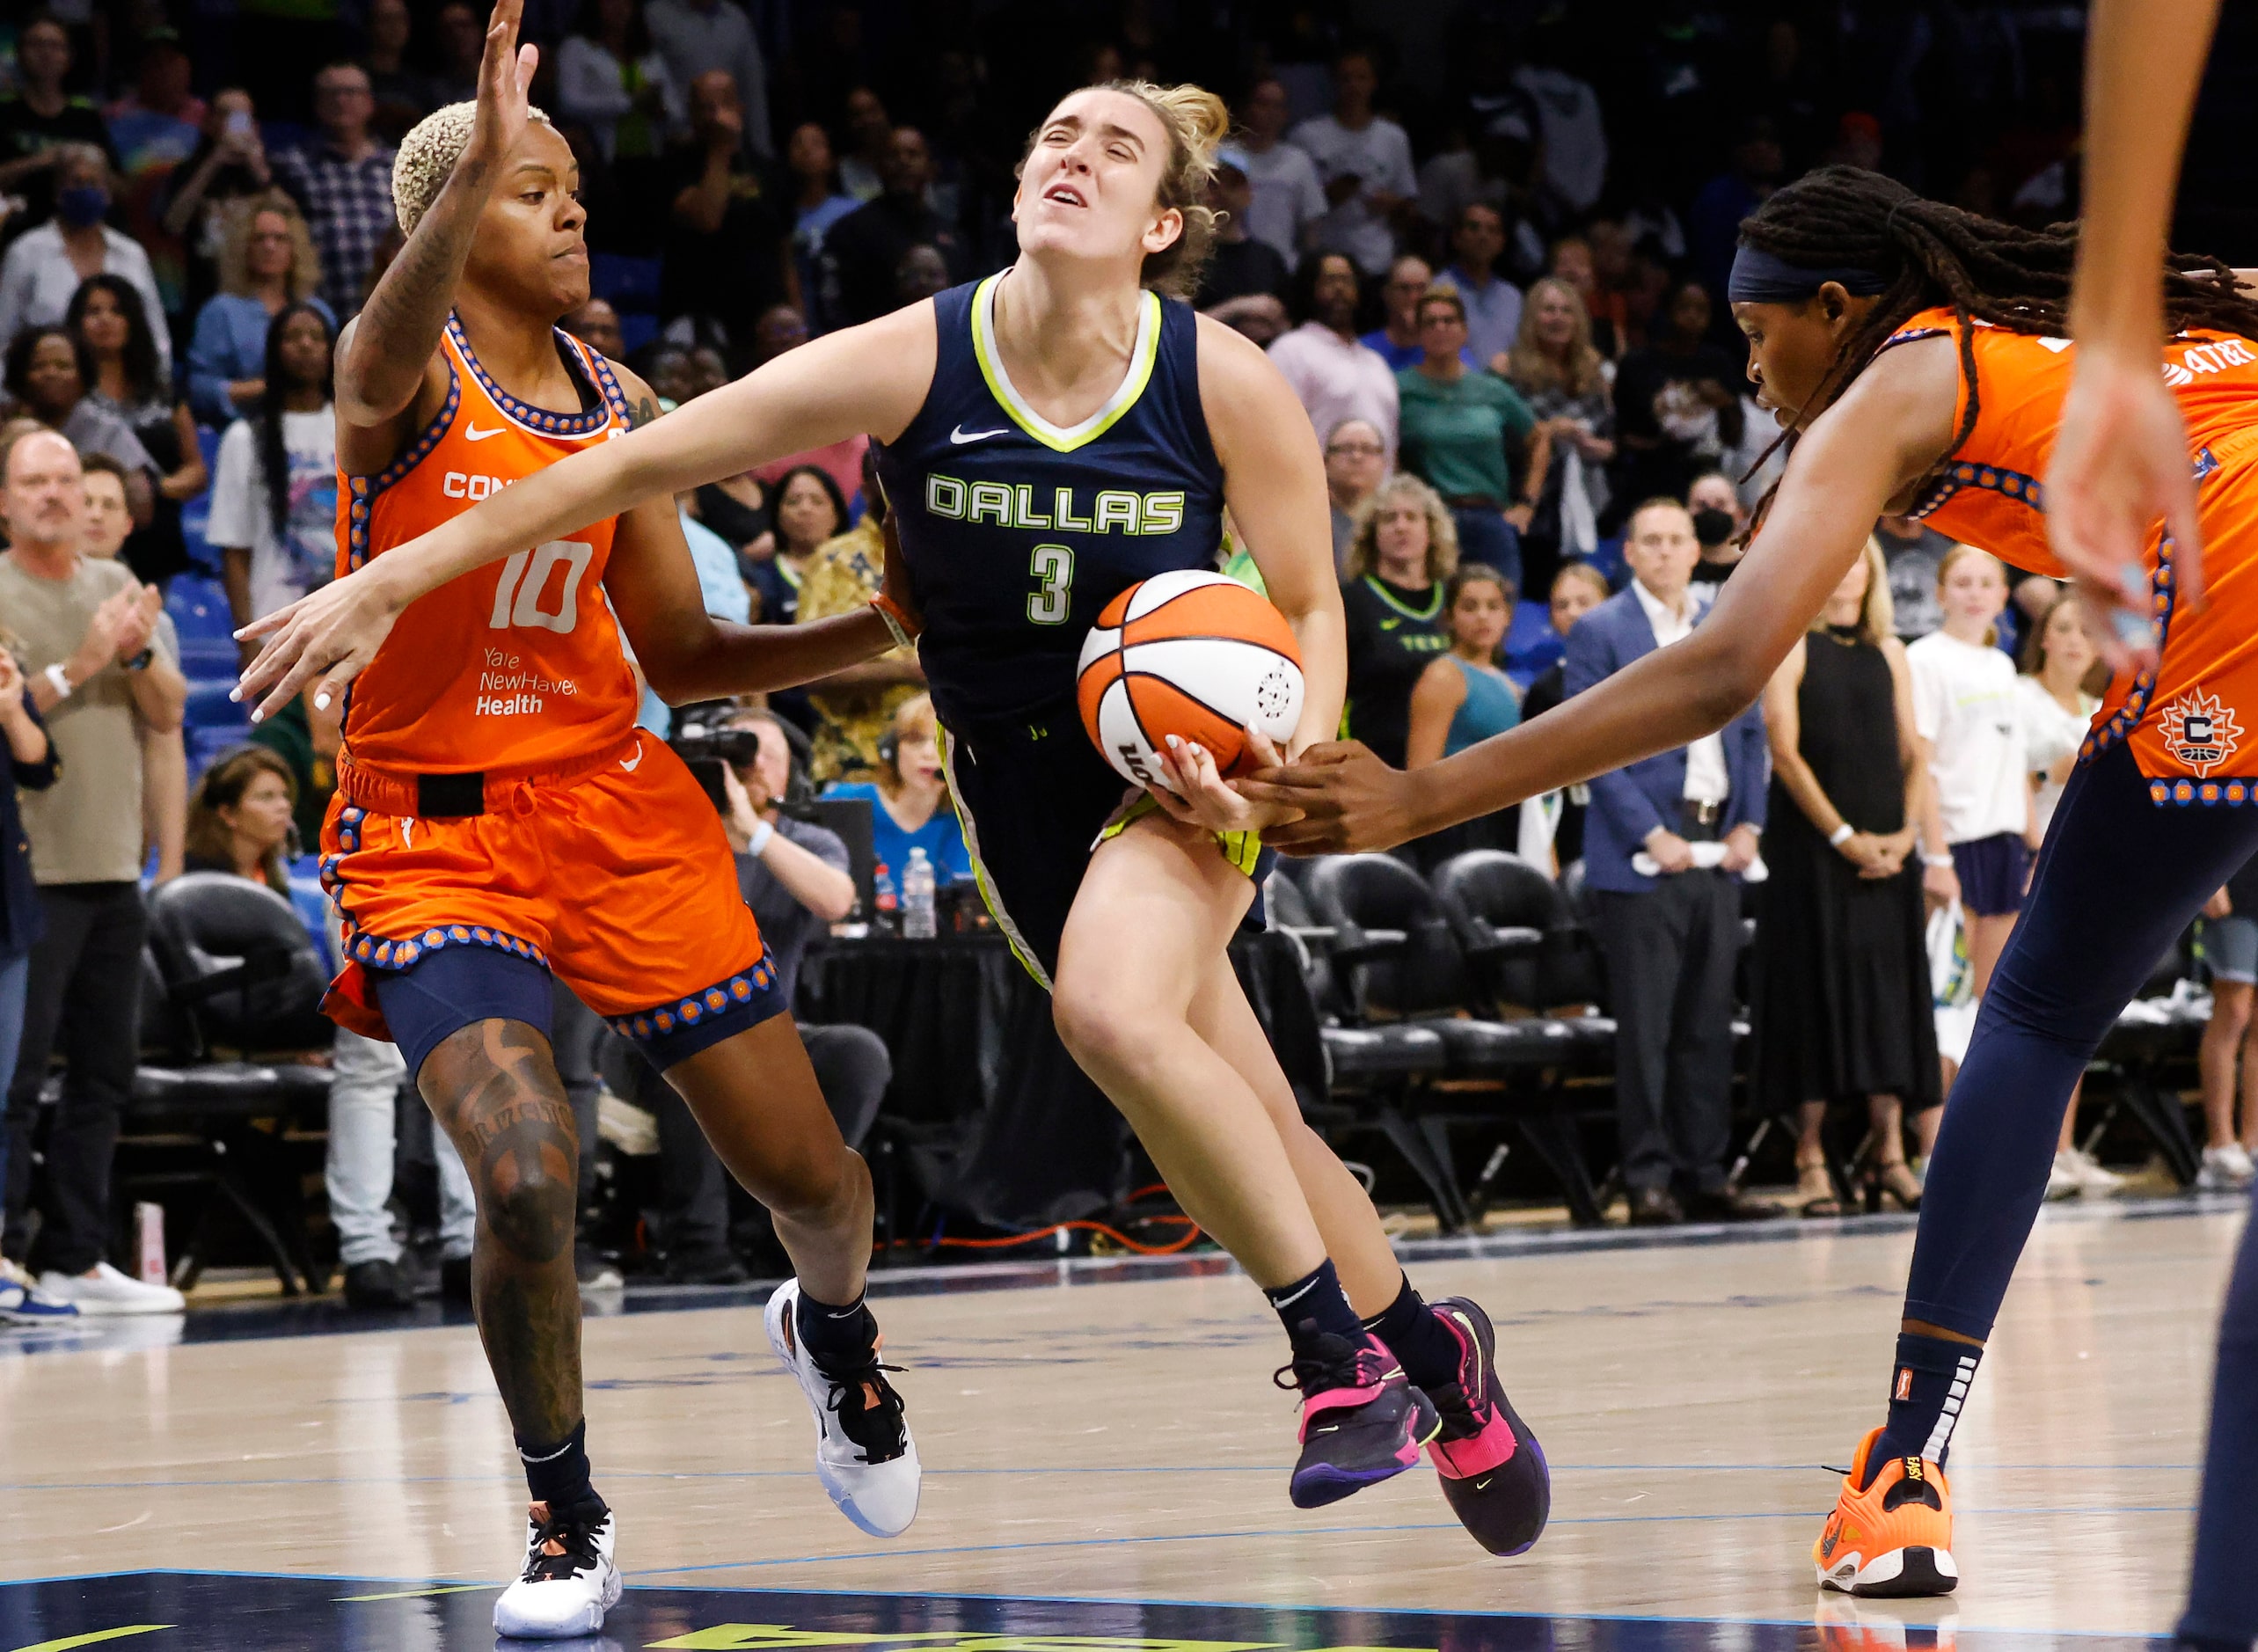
(793, 874)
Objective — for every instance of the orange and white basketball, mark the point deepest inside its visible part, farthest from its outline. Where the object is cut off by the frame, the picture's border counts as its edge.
(1193, 654)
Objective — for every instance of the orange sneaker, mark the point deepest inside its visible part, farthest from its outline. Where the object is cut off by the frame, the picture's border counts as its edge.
(1894, 1538)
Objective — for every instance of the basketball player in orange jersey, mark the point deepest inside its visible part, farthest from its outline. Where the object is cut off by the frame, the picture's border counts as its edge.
(1053, 436)
(499, 817)
(1915, 354)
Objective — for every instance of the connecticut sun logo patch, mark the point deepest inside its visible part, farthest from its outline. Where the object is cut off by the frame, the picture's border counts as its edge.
(2200, 730)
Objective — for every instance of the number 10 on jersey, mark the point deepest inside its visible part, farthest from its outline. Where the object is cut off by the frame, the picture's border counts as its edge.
(1052, 569)
(525, 576)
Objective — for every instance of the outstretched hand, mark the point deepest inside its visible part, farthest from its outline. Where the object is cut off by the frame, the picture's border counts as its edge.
(332, 633)
(504, 80)
(1346, 799)
(2121, 463)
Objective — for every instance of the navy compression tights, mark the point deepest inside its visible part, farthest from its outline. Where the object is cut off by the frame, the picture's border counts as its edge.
(2119, 879)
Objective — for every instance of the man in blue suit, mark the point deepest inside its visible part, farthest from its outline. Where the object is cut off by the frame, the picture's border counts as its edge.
(1672, 932)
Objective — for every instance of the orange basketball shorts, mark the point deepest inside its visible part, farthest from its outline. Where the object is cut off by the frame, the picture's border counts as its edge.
(613, 874)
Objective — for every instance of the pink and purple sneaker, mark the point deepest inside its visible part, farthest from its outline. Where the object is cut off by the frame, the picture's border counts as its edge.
(1493, 1470)
(1362, 1419)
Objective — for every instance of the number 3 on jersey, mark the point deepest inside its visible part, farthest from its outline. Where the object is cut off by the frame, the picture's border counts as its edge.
(1052, 570)
(526, 575)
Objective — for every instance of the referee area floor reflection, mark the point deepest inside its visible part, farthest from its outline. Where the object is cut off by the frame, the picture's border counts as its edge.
(204, 1611)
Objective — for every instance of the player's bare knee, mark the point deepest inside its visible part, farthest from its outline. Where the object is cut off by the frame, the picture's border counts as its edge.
(1102, 1034)
(820, 1190)
(494, 1088)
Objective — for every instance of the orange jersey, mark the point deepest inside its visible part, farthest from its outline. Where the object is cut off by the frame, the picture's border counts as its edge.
(511, 668)
(2194, 727)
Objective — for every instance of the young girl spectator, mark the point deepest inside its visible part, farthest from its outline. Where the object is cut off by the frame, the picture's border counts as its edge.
(1406, 546)
(107, 316)
(1469, 434)
(1566, 383)
(1551, 826)
(908, 801)
(274, 502)
(265, 264)
(239, 819)
(2055, 696)
(49, 372)
(1841, 977)
(1964, 705)
(1464, 697)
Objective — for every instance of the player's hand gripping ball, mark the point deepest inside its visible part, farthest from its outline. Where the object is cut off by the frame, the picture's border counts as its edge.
(1193, 654)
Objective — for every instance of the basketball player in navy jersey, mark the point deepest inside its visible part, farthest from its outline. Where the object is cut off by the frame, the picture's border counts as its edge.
(1052, 435)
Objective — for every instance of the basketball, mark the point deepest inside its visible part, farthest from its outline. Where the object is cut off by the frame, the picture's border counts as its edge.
(1193, 654)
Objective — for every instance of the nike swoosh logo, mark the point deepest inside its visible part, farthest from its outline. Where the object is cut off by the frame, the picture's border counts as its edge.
(472, 433)
(634, 763)
(959, 436)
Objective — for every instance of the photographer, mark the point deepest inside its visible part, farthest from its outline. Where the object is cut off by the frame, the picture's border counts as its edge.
(794, 877)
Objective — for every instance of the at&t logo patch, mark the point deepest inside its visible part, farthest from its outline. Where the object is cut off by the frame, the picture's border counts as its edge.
(2200, 730)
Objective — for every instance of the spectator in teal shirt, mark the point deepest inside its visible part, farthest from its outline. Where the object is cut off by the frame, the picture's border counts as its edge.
(1470, 434)
(908, 802)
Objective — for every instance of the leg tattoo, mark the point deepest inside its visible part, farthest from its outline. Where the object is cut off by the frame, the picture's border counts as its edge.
(493, 1087)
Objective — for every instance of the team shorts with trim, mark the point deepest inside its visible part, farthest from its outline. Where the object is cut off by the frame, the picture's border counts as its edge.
(614, 874)
(1036, 801)
(1994, 873)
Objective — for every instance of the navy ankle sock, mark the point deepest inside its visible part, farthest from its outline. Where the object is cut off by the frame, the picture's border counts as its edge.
(2223, 1588)
(1926, 1390)
(1429, 1353)
(837, 1337)
(1315, 1305)
(557, 1473)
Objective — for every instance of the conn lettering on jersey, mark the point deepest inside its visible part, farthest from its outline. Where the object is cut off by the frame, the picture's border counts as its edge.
(1016, 505)
(467, 485)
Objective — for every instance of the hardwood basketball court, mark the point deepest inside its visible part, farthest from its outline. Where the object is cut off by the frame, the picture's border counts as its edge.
(1106, 1463)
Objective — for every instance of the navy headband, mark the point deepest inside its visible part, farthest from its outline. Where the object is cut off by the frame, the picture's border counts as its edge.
(1765, 278)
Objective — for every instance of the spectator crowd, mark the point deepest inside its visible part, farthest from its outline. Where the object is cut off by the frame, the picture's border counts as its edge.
(1488, 257)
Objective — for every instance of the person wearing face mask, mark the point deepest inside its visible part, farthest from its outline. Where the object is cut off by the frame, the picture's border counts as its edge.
(44, 266)
(1717, 518)
(42, 119)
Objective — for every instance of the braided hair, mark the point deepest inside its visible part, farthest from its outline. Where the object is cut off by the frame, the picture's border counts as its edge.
(1932, 254)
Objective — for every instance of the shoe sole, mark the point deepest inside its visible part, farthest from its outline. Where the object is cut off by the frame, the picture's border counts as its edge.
(1908, 1574)
(828, 1474)
(1328, 1483)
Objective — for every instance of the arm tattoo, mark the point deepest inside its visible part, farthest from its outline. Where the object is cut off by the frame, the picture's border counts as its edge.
(645, 410)
(494, 1088)
(408, 311)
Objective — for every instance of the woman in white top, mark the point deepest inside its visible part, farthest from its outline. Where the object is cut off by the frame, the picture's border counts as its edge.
(2056, 696)
(1965, 707)
(2053, 694)
(610, 78)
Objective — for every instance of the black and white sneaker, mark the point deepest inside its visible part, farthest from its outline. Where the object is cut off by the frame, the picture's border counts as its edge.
(569, 1581)
(864, 1454)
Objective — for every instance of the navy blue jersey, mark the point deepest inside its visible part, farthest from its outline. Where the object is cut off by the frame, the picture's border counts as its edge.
(1017, 531)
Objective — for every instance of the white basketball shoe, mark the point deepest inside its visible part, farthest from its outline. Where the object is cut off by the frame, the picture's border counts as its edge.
(569, 1581)
(864, 1454)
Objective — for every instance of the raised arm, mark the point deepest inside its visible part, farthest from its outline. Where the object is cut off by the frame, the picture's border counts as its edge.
(2120, 460)
(683, 652)
(385, 354)
(869, 379)
(1887, 430)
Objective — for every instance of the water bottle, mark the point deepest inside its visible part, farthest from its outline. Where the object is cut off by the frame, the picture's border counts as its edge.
(886, 914)
(917, 922)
